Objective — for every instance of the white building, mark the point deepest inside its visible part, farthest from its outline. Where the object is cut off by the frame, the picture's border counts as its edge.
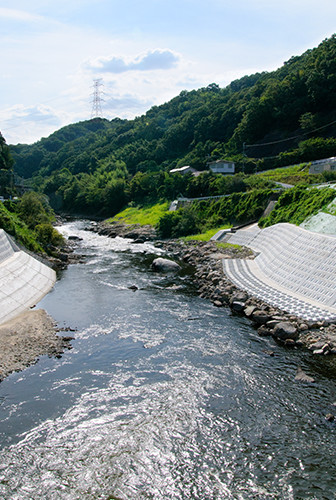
(222, 167)
(318, 166)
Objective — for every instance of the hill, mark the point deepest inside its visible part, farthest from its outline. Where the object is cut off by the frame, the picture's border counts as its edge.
(260, 121)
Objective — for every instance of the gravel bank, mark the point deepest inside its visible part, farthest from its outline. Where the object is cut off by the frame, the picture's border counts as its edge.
(27, 337)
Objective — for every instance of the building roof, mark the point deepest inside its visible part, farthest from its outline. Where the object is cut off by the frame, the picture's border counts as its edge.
(182, 169)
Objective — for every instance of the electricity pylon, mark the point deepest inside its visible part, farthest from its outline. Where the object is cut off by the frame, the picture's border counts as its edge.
(97, 99)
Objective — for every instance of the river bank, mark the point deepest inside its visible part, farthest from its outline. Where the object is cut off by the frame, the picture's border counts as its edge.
(27, 337)
(34, 333)
(206, 258)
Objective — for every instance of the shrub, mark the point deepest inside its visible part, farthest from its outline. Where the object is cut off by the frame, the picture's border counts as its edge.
(47, 235)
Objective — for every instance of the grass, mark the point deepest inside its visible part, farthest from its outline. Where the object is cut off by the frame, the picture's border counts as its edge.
(225, 246)
(205, 236)
(149, 214)
(297, 204)
(290, 175)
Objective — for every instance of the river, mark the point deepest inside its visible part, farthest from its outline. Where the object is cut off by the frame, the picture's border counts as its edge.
(163, 396)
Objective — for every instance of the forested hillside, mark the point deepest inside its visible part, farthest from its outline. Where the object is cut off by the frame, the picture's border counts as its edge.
(260, 121)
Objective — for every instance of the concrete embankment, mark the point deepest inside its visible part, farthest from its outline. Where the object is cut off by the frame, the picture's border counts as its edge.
(23, 279)
(294, 269)
(269, 320)
(25, 334)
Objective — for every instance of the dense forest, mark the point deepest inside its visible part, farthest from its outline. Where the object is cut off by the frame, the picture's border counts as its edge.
(261, 121)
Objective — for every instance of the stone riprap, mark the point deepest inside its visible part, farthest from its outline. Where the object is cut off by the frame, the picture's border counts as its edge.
(23, 279)
(294, 269)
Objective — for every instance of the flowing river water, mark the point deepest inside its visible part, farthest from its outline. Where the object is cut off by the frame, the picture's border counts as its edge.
(163, 396)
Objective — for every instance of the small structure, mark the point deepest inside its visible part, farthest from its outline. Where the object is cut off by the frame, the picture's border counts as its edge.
(184, 170)
(222, 167)
(319, 166)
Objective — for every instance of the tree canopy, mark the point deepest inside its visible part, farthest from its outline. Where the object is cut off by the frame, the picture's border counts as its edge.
(260, 121)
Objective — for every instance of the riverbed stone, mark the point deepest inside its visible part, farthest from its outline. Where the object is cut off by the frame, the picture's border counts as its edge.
(263, 331)
(249, 310)
(239, 297)
(301, 376)
(285, 330)
(260, 316)
(165, 265)
(238, 306)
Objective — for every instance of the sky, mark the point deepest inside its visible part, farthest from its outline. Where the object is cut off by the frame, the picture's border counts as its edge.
(145, 53)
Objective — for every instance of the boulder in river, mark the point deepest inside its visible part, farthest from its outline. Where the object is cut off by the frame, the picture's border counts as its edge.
(165, 265)
(285, 330)
(74, 238)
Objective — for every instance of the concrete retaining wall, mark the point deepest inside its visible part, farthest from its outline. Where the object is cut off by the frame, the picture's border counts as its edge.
(23, 279)
(294, 266)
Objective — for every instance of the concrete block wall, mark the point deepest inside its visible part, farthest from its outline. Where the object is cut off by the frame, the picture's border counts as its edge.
(297, 262)
(23, 279)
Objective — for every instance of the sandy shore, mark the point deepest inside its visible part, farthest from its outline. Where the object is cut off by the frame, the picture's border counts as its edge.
(25, 338)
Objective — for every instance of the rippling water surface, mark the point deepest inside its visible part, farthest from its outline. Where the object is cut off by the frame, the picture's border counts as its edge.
(163, 396)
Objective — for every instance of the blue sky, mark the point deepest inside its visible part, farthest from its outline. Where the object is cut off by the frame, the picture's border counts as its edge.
(145, 51)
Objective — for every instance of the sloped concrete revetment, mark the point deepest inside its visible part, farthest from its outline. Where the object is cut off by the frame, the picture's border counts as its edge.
(23, 279)
(294, 270)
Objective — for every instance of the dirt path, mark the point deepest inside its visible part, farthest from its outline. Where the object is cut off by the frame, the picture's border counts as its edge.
(25, 338)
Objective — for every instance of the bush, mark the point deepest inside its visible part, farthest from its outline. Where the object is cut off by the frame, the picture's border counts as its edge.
(47, 235)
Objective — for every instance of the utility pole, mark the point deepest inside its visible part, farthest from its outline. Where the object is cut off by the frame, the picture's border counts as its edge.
(96, 101)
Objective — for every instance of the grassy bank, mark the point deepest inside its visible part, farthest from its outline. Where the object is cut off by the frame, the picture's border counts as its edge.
(143, 215)
(207, 235)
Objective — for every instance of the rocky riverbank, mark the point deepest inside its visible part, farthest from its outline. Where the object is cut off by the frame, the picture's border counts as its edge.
(134, 231)
(27, 337)
(206, 258)
(319, 337)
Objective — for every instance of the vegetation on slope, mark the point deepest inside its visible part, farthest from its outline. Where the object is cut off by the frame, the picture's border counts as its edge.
(6, 168)
(279, 118)
(149, 214)
(296, 204)
(30, 222)
(201, 216)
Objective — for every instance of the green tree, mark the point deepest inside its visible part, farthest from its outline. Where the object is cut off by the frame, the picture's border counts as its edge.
(33, 209)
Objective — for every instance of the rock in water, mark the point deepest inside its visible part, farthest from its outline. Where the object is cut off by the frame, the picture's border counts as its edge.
(301, 376)
(285, 330)
(165, 265)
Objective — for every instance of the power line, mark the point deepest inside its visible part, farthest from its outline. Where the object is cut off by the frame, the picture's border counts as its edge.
(289, 138)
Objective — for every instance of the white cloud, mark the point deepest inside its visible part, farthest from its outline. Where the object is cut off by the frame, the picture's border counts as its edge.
(19, 15)
(153, 60)
(30, 120)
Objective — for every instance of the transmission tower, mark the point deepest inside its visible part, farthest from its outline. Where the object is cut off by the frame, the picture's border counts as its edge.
(97, 99)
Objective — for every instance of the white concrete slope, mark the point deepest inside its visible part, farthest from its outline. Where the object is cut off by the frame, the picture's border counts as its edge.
(295, 269)
(23, 279)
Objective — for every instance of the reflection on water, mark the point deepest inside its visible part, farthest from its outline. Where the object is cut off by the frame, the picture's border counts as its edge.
(163, 396)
